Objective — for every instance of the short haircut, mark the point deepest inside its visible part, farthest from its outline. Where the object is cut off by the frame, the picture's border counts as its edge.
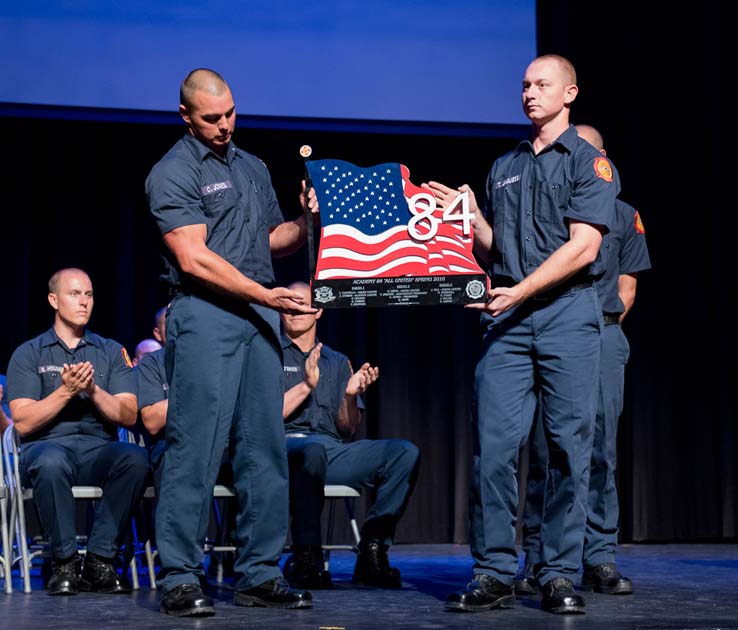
(202, 79)
(56, 278)
(566, 67)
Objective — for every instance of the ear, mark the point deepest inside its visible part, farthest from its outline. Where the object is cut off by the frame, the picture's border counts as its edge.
(570, 94)
(319, 313)
(184, 113)
(53, 302)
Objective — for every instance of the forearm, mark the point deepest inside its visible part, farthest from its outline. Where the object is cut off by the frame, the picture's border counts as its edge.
(31, 415)
(573, 256)
(288, 237)
(483, 238)
(5, 422)
(627, 292)
(349, 417)
(217, 274)
(294, 397)
(154, 416)
(119, 409)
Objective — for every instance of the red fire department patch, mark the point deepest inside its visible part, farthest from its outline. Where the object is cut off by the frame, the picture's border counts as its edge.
(126, 358)
(603, 170)
(638, 224)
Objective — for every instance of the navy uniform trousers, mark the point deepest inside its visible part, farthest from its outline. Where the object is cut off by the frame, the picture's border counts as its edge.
(52, 466)
(389, 466)
(602, 505)
(555, 343)
(224, 370)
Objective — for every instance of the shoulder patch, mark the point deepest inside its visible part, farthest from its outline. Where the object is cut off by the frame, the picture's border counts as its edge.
(638, 224)
(126, 358)
(602, 168)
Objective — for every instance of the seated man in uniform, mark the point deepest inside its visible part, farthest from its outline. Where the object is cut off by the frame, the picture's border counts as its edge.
(321, 410)
(69, 391)
(153, 395)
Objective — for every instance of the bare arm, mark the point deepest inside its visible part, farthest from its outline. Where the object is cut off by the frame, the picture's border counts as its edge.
(154, 416)
(627, 291)
(119, 409)
(197, 261)
(297, 394)
(578, 252)
(30, 415)
(349, 415)
(289, 236)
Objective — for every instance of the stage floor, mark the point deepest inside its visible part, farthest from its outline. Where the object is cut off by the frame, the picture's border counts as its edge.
(686, 586)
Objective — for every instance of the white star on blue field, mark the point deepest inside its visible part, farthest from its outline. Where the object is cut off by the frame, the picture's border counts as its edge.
(368, 199)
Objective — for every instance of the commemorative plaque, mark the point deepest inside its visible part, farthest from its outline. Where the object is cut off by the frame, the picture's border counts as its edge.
(385, 242)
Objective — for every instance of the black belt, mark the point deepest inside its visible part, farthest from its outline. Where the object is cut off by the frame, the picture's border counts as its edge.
(611, 320)
(555, 292)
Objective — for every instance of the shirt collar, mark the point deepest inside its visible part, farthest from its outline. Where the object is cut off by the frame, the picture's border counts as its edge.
(49, 338)
(201, 151)
(567, 140)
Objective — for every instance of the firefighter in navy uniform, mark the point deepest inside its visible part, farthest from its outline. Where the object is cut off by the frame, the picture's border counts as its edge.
(69, 392)
(220, 223)
(322, 411)
(549, 201)
(626, 254)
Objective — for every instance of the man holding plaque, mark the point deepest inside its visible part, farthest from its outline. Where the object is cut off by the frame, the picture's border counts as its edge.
(220, 223)
(549, 201)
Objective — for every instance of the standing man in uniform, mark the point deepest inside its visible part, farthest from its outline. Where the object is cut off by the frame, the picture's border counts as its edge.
(220, 221)
(69, 392)
(549, 201)
(322, 411)
(625, 253)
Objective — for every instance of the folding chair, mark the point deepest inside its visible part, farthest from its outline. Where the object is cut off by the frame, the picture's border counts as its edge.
(348, 494)
(6, 559)
(20, 495)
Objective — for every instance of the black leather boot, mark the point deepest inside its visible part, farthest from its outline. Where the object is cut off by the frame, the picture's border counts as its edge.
(304, 569)
(483, 593)
(373, 568)
(99, 575)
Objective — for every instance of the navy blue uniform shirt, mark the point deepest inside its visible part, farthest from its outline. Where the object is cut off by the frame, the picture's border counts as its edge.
(529, 198)
(624, 251)
(232, 196)
(318, 412)
(151, 381)
(35, 369)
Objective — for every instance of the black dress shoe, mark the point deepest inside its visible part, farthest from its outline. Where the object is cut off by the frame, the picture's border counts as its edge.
(304, 569)
(64, 579)
(373, 568)
(560, 598)
(99, 575)
(525, 586)
(483, 593)
(187, 600)
(274, 593)
(605, 578)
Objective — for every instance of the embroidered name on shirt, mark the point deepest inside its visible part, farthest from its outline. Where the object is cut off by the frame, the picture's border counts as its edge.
(291, 368)
(209, 189)
(45, 369)
(506, 182)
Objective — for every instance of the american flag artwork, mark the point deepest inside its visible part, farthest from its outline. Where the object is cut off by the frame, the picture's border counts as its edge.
(376, 223)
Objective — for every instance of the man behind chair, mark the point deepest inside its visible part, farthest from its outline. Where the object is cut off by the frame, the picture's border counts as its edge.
(321, 410)
(69, 392)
